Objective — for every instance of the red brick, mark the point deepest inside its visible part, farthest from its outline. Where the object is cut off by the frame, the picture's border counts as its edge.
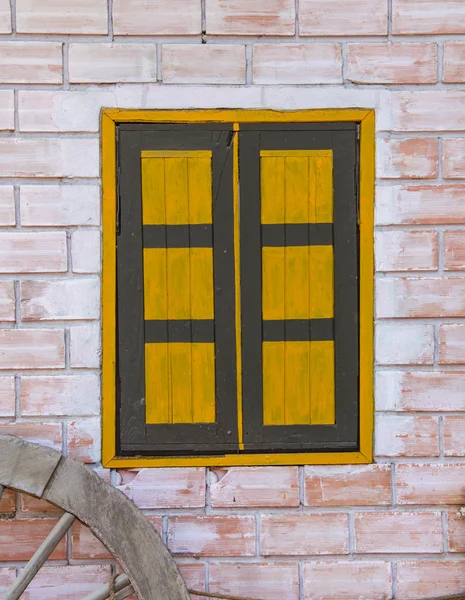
(420, 391)
(384, 533)
(32, 349)
(268, 581)
(7, 576)
(250, 17)
(7, 301)
(5, 16)
(432, 110)
(32, 505)
(27, 535)
(406, 250)
(67, 582)
(6, 119)
(410, 158)
(453, 158)
(452, 344)
(397, 435)
(45, 434)
(7, 206)
(392, 63)
(203, 63)
(164, 488)
(84, 544)
(425, 297)
(417, 579)
(83, 439)
(7, 397)
(454, 250)
(347, 485)
(404, 343)
(33, 252)
(39, 16)
(194, 577)
(297, 63)
(69, 395)
(31, 62)
(255, 486)
(212, 535)
(300, 534)
(428, 17)
(343, 17)
(454, 61)
(421, 204)
(456, 532)
(454, 436)
(347, 580)
(430, 484)
(8, 502)
(139, 17)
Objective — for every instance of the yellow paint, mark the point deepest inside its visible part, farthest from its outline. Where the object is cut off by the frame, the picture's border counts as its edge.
(367, 140)
(296, 186)
(237, 286)
(178, 283)
(298, 383)
(180, 383)
(176, 187)
(297, 282)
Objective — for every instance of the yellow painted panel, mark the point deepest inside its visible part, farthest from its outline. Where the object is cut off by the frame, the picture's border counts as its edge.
(297, 282)
(153, 191)
(322, 398)
(155, 284)
(200, 190)
(178, 283)
(296, 186)
(272, 190)
(298, 383)
(180, 383)
(176, 187)
(203, 383)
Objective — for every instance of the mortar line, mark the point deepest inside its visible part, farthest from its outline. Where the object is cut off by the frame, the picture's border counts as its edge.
(17, 322)
(389, 19)
(17, 205)
(301, 481)
(159, 51)
(249, 64)
(16, 112)
(351, 529)
(65, 60)
(17, 397)
(300, 575)
(110, 20)
(207, 576)
(441, 436)
(297, 19)
(394, 578)
(393, 485)
(445, 531)
(13, 16)
(440, 47)
(203, 19)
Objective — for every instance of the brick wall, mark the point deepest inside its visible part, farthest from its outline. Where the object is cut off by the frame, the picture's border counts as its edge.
(275, 533)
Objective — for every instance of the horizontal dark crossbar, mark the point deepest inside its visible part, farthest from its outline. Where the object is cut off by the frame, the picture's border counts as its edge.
(178, 236)
(157, 332)
(297, 234)
(298, 330)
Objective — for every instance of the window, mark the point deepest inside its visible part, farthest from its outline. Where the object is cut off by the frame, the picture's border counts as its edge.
(237, 287)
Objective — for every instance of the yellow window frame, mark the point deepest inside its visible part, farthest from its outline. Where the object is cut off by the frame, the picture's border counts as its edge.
(109, 119)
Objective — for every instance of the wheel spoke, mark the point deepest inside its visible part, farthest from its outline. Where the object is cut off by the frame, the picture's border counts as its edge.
(120, 583)
(44, 551)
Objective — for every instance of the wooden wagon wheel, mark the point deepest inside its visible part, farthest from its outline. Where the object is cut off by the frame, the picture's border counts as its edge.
(69, 484)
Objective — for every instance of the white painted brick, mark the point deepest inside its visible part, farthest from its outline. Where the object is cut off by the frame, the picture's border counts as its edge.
(85, 251)
(404, 343)
(83, 17)
(47, 157)
(32, 349)
(31, 62)
(343, 17)
(401, 435)
(409, 158)
(7, 301)
(406, 250)
(297, 63)
(60, 299)
(33, 252)
(83, 439)
(110, 63)
(71, 395)
(289, 98)
(157, 17)
(250, 17)
(5, 16)
(203, 63)
(432, 110)
(85, 349)
(7, 110)
(7, 206)
(59, 205)
(7, 397)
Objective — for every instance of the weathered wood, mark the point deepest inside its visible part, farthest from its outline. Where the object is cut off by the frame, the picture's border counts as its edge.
(121, 583)
(114, 519)
(26, 467)
(36, 562)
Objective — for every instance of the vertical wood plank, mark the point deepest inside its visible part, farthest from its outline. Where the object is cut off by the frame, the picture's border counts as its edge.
(203, 383)
(321, 270)
(272, 189)
(155, 284)
(296, 189)
(273, 282)
(297, 283)
(153, 191)
(178, 273)
(297, 383)
(199, 176)
(324, 188)
(157, 386)
(201, 274)
(322, 397)
(176, 191)
(273, 383)
(180, 365)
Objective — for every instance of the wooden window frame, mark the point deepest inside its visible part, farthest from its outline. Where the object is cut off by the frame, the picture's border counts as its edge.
(366, 120)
